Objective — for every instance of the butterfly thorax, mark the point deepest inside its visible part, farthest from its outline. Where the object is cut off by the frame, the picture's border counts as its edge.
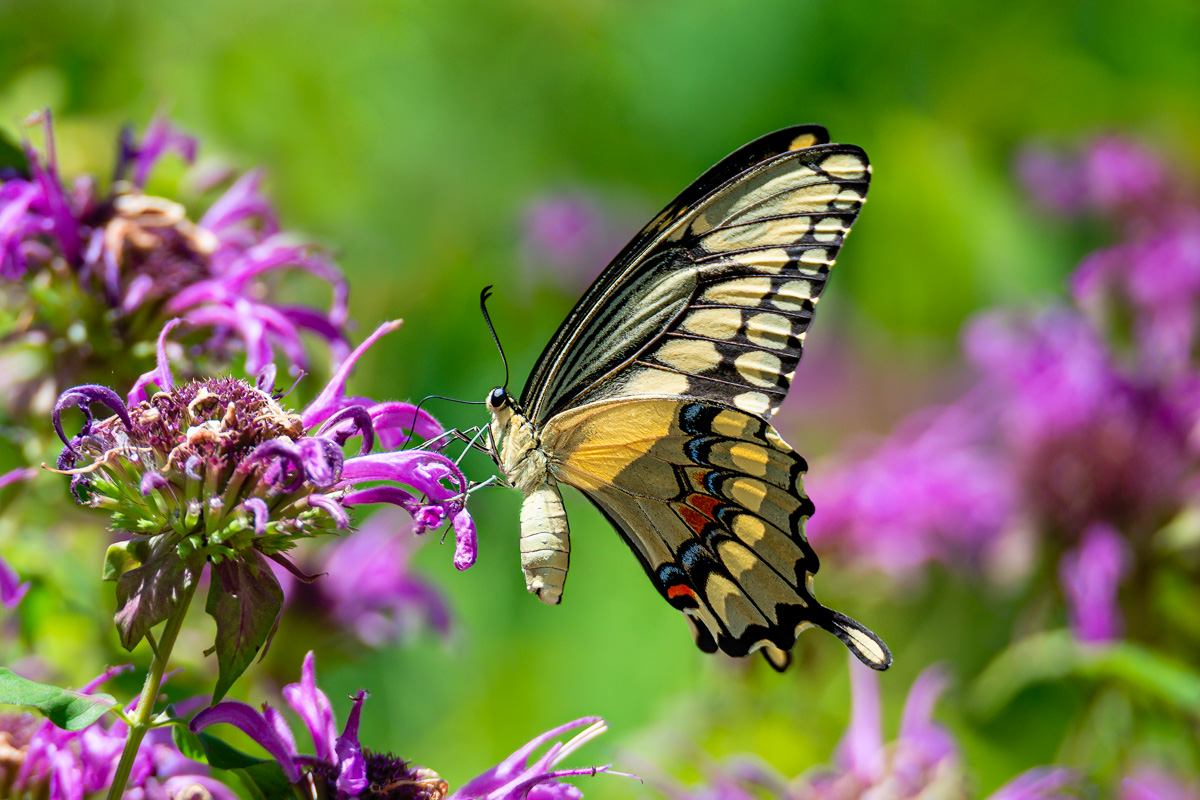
(516, 446)
(545, 539)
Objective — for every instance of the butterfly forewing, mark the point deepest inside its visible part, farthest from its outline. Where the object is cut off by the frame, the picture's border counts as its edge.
(768, 196)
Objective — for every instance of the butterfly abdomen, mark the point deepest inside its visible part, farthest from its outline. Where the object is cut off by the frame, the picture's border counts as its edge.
(545, 537)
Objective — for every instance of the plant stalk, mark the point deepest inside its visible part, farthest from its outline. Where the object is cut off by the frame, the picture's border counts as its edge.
(145, 706)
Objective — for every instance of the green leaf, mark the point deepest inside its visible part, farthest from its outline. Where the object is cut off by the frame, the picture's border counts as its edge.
(246, 600)
(266, 781)
(148, 594)
(11, 155)
(210, 750)
(122, 557)
(1057, 655)
(66, 708)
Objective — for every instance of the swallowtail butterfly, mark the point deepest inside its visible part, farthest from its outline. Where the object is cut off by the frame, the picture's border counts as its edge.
(654, 399)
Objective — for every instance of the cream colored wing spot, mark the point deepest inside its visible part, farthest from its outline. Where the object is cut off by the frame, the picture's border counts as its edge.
(791, 295)
(713, 323)
(762, 583)
(770, 544)
(749, 458)
(816, 256)
(770, 330)
(828, 229)
(689, 355)
(810, 199)
(744, 292)
(731, 605)
(654, 382)
(802, 141)
(845, 166)
(772, 260)
(739, 237)
(847, 198)
(752, 402)
(776, 441)
(749, 493)
(734, 426)
(759, 368)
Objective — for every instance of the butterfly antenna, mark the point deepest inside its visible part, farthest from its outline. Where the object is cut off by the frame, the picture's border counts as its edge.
(483, 298)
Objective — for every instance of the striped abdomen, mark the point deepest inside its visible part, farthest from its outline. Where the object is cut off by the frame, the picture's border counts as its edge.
(545, 543)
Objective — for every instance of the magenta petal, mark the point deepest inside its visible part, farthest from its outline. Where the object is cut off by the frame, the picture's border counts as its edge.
(151, 481)
(307, 700)
(258, 507)
(331, 507)
(326, 403)
(352, 765)
(465, 543)
(1040, 783)
(254, 725)
(861, 749)
(11, 589)
(161, 374)
(1090, 576)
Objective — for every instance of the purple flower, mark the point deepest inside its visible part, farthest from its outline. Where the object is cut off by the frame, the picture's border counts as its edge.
(96, 275)
(1111, 175)
(366, 585)
(1149, 783)
(923, 761)
(935, 491)
(1090, 576)
(12, 591)
(217, 471)
(40, 760)
(342, 767)
(569, 236)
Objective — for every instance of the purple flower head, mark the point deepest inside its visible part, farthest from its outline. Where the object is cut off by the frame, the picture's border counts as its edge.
(96, 274)
(219, 472)
(1112, 175)
(1087, 441)
(366, 585)
(1090, 576)
(1151, 783)
(934, 491)
(40, 760)
(342, 767)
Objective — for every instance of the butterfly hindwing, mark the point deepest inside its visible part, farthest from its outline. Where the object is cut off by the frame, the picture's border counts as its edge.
(712, 502)
(714, 297)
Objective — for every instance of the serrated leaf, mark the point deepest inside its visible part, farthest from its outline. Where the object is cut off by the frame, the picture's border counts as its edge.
(149, 594)
(210, 750)
(246, 600)
(65, 708)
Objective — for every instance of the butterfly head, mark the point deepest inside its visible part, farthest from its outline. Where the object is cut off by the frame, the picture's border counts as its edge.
(499, 399)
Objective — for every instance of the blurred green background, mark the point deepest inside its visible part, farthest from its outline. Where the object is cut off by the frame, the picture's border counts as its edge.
(410, 139)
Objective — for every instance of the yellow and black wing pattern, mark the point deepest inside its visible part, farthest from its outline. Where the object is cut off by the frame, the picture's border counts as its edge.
(654, 396)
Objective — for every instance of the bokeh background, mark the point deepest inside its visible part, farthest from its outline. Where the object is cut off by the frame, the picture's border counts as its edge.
(436, 148)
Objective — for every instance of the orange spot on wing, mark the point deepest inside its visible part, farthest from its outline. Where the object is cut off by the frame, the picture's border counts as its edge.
(693, 518)
(679, 590)
(705, 504)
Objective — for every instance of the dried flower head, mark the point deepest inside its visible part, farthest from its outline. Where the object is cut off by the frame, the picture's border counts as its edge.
(90, 275)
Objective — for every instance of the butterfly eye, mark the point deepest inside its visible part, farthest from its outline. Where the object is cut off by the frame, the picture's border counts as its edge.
(498, 398)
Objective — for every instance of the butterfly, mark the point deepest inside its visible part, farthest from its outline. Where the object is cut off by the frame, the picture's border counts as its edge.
(654, 399)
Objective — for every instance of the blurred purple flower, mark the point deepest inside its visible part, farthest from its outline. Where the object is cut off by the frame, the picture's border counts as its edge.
(934, 491)
(923, 761)
(12, 591)
(110, 268)
(1087, 441)
(1111, 175)
(1090, 576)
(342, 767)
(365, 585)
(217, 471)
(570, 235)
(1148, 783)
(40, 760)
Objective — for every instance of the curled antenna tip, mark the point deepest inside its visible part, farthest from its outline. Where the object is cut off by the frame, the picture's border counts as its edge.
(483, 298)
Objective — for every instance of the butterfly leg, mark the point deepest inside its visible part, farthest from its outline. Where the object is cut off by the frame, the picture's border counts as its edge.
(545, 543)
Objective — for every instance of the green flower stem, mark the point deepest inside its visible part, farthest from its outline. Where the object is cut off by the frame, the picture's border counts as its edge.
(145, 707)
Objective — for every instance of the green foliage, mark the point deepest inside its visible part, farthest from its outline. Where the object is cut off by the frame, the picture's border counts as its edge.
(66, 708)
